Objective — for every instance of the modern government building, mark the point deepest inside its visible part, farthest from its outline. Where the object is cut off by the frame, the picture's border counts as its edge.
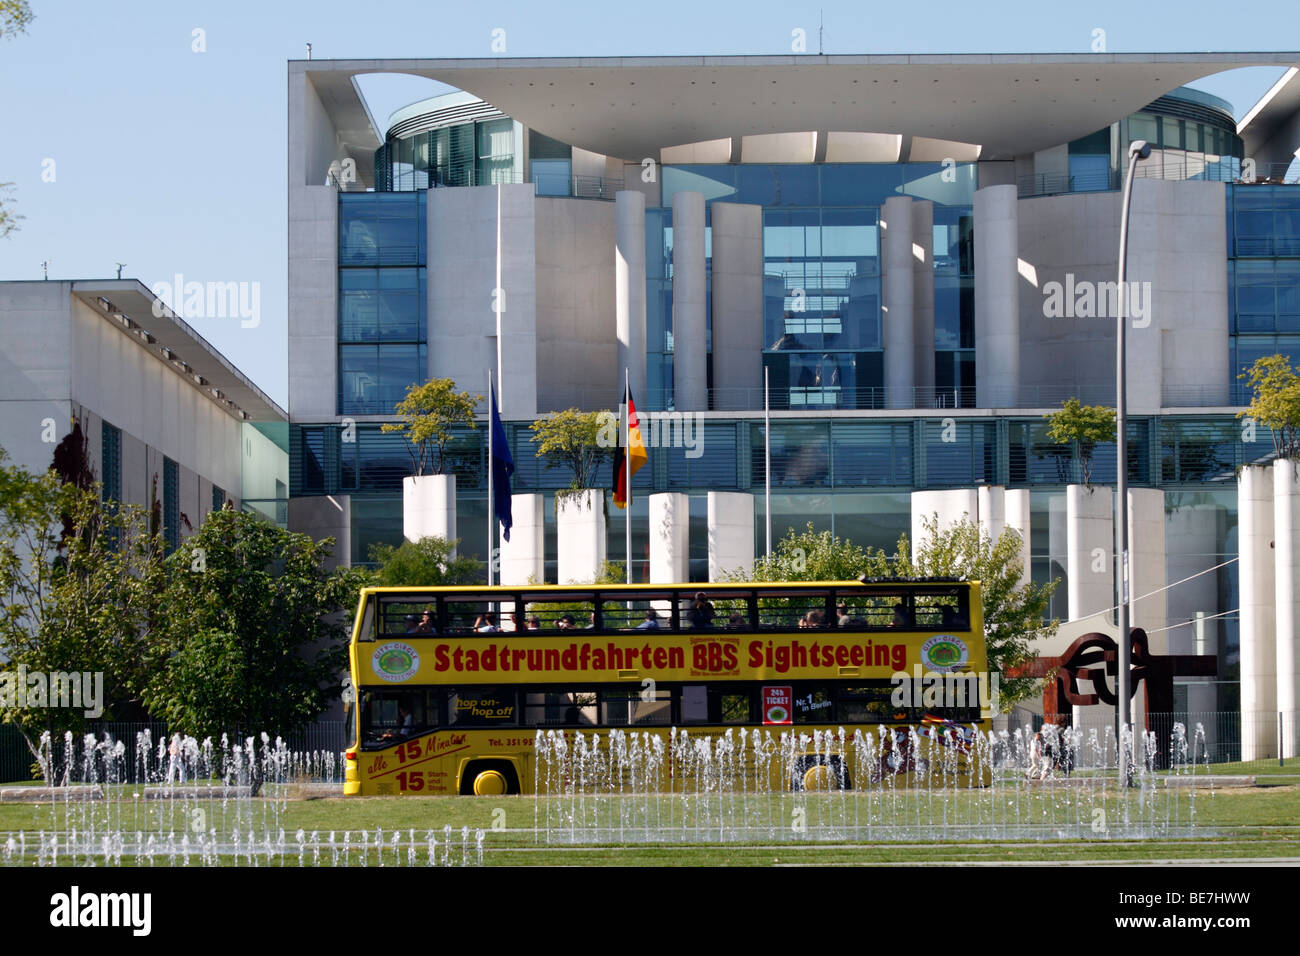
(918, 254)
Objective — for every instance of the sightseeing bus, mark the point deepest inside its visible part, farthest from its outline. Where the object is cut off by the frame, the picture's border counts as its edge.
(453, 684)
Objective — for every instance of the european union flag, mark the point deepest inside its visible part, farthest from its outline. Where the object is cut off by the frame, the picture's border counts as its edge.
(503, 466)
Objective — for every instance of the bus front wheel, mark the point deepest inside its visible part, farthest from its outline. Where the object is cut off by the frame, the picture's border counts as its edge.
(489, 778)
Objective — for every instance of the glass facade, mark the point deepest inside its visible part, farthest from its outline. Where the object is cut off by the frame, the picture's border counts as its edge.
(477, 153)
(1263, 276)
(382, 322)
(822, 275)
(171, 505)
(111, 462)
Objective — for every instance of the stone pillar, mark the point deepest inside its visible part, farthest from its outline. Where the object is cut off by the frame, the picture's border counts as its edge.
(992, 510)
(690, 372)
(325, 516)
(1286, 561)
(580, 536)
(429, 507)
(1256, 600)
(670, 517)
(951, 505)
(1090, 542)
(737, 306)
(1191, 546)
(1146, 547)
(523, 557)
(997, 298)
(1202, 697)
(897, 324)
(1017, 509)
(923, 300)
(629, 287)
(731, 533)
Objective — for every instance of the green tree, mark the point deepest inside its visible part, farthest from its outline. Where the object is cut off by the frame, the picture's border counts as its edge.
(1276, 402)
(1015, 614)
(80, 587)
(578, 441)
(14, 17)
(254, 626)
(424, 563)
(1082, 427)
(429, 413)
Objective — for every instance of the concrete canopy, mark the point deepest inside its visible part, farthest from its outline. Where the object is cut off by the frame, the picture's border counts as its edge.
(633, 107)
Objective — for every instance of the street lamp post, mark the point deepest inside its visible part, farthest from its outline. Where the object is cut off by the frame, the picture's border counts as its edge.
(1137, 150)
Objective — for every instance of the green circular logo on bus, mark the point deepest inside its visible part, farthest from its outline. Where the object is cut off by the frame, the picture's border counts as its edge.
(395, 662)
(945, 652)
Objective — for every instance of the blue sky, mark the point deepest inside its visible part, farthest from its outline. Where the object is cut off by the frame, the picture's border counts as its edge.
(173, 161)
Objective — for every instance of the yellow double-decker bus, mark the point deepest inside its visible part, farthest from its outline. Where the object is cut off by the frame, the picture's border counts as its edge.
(454, 683)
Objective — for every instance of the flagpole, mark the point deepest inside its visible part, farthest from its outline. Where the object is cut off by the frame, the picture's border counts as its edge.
(500, 293)
(490, 482)
(767, 462)
(627, 471)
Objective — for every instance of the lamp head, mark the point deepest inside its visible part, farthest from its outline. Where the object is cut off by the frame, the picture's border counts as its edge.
(1140, 148)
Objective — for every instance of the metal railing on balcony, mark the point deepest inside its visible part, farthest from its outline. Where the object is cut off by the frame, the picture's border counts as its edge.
(548, 185)
(1057, 184)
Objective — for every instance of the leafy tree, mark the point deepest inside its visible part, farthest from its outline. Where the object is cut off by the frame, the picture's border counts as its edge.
(424, 563)
(80, 601)
(578, 441)
(254, 627)
(1082, 427)
(14, 17)
(429, 412)
(1015, 615)
(1276, 402)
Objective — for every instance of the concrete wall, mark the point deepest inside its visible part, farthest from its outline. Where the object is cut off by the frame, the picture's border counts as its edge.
(313, 302)
(923, 294)
(731, 533)
(897, 318)
(1176, 243)
(737, 305)
(997, 298)
(690, 384)
(462, 257)
(952, 506)
(575, 342)
(326, 516)
(670, 517)
(1090, 545)
(523, 556)
(1258, 615)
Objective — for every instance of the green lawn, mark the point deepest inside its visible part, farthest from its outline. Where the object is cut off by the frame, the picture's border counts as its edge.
(1229, 824)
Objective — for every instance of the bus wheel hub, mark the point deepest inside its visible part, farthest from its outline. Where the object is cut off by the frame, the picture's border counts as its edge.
(489, 783)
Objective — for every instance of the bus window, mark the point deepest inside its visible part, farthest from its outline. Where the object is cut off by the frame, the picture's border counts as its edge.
(792, 610)
(813, 704)
(695, 704)
(388, 717)
(481, 615)
(630, 707)
(729, 706)
(482, 707)
(407, 617)
(873, 703)
(550, 709)
(555, 614)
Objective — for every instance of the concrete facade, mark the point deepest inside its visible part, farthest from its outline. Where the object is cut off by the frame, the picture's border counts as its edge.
(670, 515)
(731, 534)
(523, 556)
(897, 320)
(629, 286)
(580, 536)
(690, 383)
(737, 305)
(997, 297)
(429, 507)
(1259, 699)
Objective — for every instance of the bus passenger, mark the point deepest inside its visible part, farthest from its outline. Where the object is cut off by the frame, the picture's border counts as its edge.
(566, 623)
(651, 622)
(426, 623)
(534, 623)
(412, 624)
(701, 613)
(736, 622)
(487, 623)
(900, 616)
(842, 610)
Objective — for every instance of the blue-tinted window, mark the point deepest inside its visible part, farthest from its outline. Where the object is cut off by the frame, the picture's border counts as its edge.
(552, 177)
(715, 182)
(374, 378)
(860, 184)
(382, 305)
(111, 462)
(777, 185)
(171, 504)
(377, 229)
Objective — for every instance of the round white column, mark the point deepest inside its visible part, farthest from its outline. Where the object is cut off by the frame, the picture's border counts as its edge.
(629, 286)
(1255, 598)
(690, 370)
(1286, 559)
(898, 332)
(997, 298)
(429, 507)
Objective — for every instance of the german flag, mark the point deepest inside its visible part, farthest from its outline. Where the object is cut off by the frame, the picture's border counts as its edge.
(630, 454)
